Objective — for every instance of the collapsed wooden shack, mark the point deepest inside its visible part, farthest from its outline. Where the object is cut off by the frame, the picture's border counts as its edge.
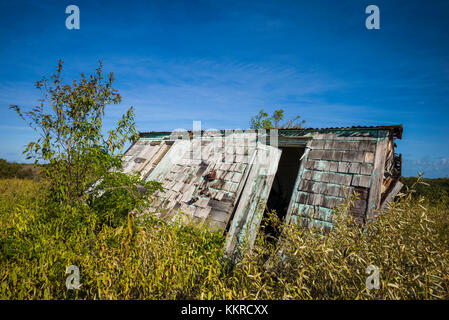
(228, 178)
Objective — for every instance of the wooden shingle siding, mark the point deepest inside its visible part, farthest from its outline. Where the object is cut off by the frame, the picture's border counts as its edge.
(361, 181)
(182, 174)
(336, 165)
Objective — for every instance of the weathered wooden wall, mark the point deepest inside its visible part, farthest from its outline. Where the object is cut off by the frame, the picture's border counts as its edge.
(251, 205)
(243, 172)
(334, 165)
(186, 188)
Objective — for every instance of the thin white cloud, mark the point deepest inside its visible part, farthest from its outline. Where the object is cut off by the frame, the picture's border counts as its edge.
(8, 127)
(224, 91)
(430, 167)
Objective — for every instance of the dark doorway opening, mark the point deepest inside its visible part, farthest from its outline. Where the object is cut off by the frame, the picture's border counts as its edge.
(283, 185)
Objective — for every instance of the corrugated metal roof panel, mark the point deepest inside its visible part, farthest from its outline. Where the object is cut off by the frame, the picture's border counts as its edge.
(396, 130)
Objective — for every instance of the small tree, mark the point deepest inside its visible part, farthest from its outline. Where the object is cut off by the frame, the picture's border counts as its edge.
(263, 121)
(71, 144)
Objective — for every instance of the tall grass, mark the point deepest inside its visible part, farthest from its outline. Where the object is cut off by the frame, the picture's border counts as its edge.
(150, 259)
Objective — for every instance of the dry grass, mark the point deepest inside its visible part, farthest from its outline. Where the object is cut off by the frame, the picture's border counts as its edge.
(153, 260)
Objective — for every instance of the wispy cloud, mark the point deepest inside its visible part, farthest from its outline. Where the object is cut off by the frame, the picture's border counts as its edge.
(430, 167)
(222, 93)
(12, 128)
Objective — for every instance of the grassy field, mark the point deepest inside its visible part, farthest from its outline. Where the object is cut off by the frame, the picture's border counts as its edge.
(432, 189)
(148, 259)
(17, 170)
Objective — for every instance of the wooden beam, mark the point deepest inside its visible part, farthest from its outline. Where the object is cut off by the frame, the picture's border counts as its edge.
(376, 178)
(391, 195)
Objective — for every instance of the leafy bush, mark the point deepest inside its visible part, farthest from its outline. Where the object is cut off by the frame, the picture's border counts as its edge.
(144, 258)
(71, 143)
(263, 121)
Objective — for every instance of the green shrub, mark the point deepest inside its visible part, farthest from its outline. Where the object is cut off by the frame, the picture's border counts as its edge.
(71, 141)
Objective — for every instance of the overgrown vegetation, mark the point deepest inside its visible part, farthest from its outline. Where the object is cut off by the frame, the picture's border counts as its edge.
(430, 189)
(146, 258)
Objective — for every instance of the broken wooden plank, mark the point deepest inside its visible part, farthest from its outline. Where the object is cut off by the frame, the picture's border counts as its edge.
(377, 176)
(391, 195)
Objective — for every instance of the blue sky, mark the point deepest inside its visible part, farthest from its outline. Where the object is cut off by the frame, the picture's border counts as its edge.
(222, 61)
